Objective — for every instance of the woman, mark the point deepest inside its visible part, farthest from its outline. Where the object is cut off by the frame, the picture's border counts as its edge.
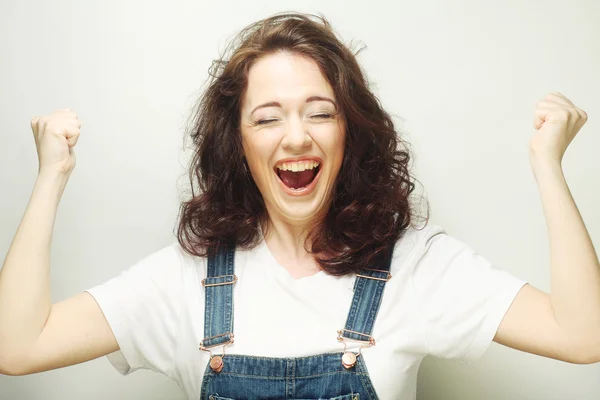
(298, 272)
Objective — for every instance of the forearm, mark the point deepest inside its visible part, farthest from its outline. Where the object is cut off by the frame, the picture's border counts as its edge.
(25, 300)
(575, 270)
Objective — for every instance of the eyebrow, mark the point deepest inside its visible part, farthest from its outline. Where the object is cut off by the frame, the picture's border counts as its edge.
(308, 100)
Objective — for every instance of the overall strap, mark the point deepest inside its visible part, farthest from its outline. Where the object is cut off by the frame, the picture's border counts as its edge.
(218, 306)
(368, 291)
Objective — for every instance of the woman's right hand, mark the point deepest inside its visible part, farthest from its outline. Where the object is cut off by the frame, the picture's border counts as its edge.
(55, 136)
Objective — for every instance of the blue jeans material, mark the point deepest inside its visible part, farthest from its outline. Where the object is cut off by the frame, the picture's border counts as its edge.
(320, 376)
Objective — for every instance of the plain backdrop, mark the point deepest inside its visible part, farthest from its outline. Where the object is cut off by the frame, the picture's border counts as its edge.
(460, 77)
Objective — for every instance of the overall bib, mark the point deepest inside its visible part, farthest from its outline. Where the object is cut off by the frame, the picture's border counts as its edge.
(331, 376)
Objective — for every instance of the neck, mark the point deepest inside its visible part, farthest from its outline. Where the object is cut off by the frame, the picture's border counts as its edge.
(287, 236)
(286, 241)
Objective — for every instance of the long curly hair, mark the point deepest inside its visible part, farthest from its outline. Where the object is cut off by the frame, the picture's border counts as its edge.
(370, 208)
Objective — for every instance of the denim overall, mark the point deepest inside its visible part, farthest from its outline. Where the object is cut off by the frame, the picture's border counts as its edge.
(323, 376)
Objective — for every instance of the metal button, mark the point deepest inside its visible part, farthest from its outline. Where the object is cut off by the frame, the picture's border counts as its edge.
(216, 363)
(349, 360)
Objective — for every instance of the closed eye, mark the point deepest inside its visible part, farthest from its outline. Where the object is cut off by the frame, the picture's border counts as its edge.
(317, 116)
(322, 116)
(264, 121)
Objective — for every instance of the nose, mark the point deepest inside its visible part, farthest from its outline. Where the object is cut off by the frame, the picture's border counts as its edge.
(297, 137)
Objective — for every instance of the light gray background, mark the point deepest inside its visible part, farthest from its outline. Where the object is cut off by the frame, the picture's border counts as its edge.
(463, 75)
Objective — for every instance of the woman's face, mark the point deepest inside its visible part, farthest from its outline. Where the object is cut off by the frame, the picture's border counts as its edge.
(293, 136)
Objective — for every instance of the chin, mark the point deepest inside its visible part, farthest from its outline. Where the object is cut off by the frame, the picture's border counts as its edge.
(302, 214)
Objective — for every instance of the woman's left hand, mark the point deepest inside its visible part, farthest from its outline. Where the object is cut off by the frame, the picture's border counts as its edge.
(557, 121)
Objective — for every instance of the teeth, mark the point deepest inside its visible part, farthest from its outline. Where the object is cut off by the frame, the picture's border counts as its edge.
(298, 166)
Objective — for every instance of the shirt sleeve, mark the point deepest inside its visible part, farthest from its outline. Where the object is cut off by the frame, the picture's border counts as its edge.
(142, 306)
(462, 296)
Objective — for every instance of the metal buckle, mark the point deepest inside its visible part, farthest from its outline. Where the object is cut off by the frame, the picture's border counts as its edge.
(389, 276)
(235, 278)
(205, 348)
(370, 342)
(349, 358)
(216, 360)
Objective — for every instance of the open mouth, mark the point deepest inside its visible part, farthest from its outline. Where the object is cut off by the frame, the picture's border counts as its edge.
(298, 175)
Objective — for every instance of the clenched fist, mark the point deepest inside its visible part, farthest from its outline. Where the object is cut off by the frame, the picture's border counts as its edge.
(557, 121)
(55, 136)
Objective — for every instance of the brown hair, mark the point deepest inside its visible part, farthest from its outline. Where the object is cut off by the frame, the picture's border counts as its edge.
(370, 206)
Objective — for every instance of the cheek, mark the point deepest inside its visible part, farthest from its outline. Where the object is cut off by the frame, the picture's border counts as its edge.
(257, 158)
(341, 143)
(336, 144)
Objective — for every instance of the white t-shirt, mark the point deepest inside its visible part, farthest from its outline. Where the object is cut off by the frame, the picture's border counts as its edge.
(444, 299)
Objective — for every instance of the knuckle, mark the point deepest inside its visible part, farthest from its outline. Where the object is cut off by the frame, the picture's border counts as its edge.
(54, 126)
(563, 113)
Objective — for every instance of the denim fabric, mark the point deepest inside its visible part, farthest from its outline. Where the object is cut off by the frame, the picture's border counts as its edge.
(367, 298)
(315, 377)
(321, 377)
(218, 316)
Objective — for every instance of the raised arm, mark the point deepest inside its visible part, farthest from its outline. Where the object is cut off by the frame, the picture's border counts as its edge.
(34, 334)
(564, 324)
